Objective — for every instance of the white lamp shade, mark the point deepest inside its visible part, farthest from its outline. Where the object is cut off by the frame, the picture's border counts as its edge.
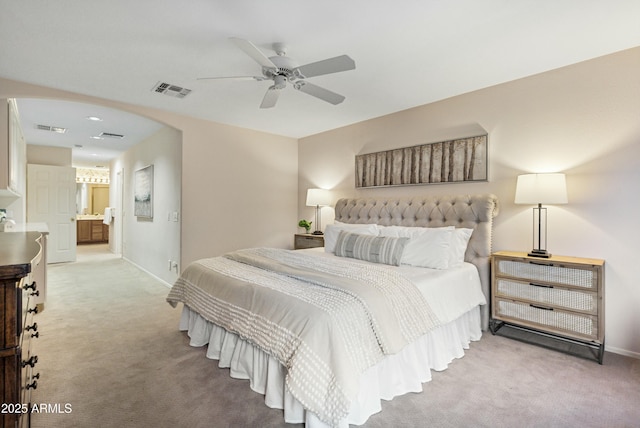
(318, 197)
(536, 189)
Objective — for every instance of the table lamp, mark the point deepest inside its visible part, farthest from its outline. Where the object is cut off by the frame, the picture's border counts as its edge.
(318, 198)
(538, 189)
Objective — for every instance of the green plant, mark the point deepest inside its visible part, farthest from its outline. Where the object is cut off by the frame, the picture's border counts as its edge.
(306, 224)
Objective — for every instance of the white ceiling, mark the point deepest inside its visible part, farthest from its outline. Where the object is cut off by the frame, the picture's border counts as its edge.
(407, 53)
(83, 136)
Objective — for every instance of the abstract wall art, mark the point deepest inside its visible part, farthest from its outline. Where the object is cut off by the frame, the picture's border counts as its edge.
(143, 192)
(452, 161)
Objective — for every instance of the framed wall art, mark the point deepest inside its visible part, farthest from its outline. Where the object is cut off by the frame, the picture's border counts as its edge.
(452, 161)
(143, 192)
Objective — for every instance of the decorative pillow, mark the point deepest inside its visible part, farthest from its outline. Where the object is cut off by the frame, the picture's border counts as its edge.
(376, 249)
(428, 246)
(459, 241)
(332, 231)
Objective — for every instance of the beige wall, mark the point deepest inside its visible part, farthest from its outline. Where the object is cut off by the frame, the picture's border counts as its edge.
(150, 243)
(583, 120)
(45, 155)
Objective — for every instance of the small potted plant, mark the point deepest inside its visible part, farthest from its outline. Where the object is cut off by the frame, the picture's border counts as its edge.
(306, 224)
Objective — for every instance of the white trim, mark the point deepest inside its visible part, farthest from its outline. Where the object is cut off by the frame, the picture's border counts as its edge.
(165, 283)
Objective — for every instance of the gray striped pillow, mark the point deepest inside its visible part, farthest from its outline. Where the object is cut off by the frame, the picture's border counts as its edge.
(376, 249)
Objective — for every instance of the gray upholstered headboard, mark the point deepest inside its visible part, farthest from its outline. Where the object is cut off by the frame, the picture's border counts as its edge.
(470, 211)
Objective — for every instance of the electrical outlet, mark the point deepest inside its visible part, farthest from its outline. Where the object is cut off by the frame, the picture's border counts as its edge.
(170, 264)
(175, 266)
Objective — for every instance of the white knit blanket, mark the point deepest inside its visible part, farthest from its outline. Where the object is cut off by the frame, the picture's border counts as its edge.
(326, 321)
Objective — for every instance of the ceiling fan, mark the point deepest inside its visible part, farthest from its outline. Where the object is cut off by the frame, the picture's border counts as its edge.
(282, 69)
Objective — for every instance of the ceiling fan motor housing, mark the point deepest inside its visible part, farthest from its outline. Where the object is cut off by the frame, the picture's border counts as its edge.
(285, 67)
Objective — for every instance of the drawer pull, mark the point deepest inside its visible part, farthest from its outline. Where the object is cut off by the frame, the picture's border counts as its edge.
(546, 308)
(33, 327)
(33, 385)
(541, 285)
(36, 334)
(30, 362)
(33, 310)
(36, 293)
(31, 286)
(540, 264)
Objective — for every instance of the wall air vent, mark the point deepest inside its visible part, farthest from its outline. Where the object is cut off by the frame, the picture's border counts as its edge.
(57, 129)
(171, 90)
(110, 135)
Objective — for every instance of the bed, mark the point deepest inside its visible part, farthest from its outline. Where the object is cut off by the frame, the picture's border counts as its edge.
(326, 333)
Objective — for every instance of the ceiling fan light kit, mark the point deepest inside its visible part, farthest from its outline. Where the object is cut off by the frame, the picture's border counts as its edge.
(282, 69)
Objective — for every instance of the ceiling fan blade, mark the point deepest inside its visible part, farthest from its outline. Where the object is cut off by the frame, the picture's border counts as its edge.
(270, 98)
(327, 66)
(255, 53)
(318, 92)
(258, 78)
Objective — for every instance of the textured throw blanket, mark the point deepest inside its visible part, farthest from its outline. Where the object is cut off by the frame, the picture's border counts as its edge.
(325, 320)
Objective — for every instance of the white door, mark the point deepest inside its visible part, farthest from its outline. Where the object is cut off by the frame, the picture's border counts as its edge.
(51, 199)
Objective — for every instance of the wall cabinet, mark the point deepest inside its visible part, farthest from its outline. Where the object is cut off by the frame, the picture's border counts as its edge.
(12, 153)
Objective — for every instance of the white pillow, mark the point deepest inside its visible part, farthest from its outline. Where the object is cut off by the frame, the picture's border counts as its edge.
(428, 246)
(332, 231)
(459, 241)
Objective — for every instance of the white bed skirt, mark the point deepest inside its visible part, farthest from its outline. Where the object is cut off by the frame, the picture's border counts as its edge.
(396, 375)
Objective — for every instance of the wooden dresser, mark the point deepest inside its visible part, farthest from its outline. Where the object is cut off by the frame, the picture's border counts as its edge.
(20, 252)
(562, 297)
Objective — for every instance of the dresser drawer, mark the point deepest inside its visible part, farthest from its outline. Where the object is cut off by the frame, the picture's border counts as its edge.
(574, 324)
(549, 295)
(583, 277)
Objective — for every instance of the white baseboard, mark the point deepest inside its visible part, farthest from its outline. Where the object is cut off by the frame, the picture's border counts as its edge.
(621, 351)
(165, 283)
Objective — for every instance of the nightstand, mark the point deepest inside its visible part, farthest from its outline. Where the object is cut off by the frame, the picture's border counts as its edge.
(307, 240)
(558, 297)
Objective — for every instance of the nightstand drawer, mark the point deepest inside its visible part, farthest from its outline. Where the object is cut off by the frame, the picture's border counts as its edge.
(571, 299)
(302, 241)
(547, 272)
(573, 324)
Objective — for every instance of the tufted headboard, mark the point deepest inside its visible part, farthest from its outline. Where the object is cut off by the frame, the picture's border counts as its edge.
(470, 211)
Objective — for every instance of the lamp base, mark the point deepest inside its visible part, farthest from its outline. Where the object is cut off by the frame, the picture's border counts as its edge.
(539, 253)
(317, 232)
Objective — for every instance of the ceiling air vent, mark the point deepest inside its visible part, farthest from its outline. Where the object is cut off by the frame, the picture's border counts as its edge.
(110, 135)
(171, 90)
(57, 129)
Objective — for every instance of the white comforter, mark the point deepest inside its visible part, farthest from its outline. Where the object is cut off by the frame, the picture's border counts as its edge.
(450, 293)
